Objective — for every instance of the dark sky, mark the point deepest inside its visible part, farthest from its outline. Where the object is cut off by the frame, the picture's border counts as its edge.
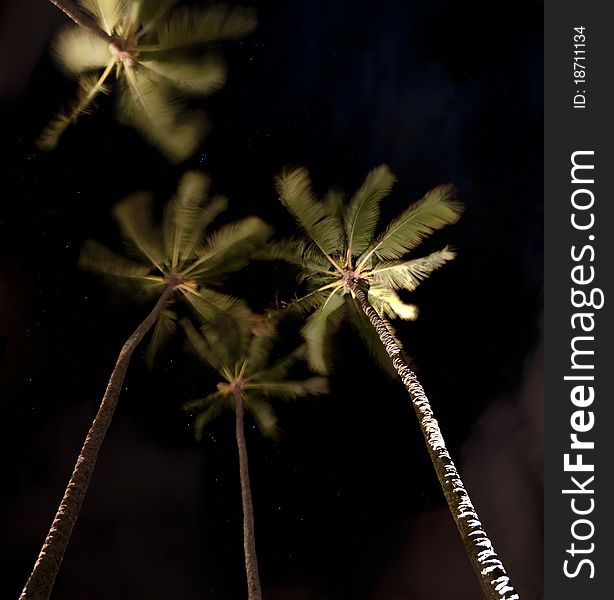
(346, 503)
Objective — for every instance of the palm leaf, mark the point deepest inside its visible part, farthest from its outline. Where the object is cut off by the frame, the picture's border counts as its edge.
(387, 303)
(294, 188)
(290, 390)
(78, 50)
(183, 216)
(165, 328)
(205, 350)
(435, 210)
(208, 305)
(308, 303)
(89, 87)
(230, 245)
(258, 352)
(334, 201)
(98, 258)
(409, 274)
(206, 416)
(362, 213)
(201, 77)
(159, 115)
(187, 26)
(318, 329)
(300, 252)
(107, 12)
(263, 414)
(134, 217)
(149, 11)
(280, 368)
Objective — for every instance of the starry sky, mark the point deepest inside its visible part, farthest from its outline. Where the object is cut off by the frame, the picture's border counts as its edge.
(346, 503)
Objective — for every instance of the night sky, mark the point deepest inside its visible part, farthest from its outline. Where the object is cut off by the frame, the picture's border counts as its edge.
(347, 505)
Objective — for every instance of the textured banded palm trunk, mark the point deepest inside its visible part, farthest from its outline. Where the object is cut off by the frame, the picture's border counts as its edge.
(494, 580)
(249, 540)
(40, 582)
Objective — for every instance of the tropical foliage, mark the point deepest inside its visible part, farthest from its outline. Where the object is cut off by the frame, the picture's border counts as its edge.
(156, 56)
(242, 358)
(179, 251)
(342, 243)
(249, 379)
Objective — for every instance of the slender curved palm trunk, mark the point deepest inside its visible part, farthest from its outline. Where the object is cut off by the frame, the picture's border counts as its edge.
(40, 582)
(494, 580)
(249, 539)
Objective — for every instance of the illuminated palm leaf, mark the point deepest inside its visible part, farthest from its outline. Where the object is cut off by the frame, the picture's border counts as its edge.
(362, 213)
(188, 26)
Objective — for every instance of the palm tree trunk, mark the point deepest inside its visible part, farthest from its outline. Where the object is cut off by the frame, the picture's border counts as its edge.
(80, 18)
(489, 569)
(249, 539)
(40, 582)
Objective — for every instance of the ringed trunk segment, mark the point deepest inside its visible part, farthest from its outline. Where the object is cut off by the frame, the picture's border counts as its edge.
(249, 539)
(40, 582)
(75, 14)
(494, 580)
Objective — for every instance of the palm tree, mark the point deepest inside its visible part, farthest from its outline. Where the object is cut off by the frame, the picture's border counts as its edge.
(351, 271)
(157, 59)
(177, 261)
(241, 356)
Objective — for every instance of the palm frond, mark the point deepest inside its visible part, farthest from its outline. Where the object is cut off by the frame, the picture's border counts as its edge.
(107, 12)
(201, 77)
(206, 416)
(263, 414)
(280, 368)
(361, 324)
(435, 210)
(318, 329)
(159, 115)
(290, 390)
(230, 246)
(203, 348)
(307, 303)
(183, 216)
(362, 213)
(387, 303)
(202, 403)
(149, 11)
(334, 201)
(208, 305)
(294, 188)
(89, 87)
(134, 217)
(187, 26)
(409, 274)
(165, 328)
(258, 352)
(78, 50)
(299, 252)
(98, 258)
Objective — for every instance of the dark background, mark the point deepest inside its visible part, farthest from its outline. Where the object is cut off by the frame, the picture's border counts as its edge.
(346, 503)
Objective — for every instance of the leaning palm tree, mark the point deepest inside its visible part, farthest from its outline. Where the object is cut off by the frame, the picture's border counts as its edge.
(178, 261)
(155, 55)
(249, 379)
(352, 271)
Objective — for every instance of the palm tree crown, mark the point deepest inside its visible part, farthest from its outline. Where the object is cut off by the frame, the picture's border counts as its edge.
(157, 63)
(179, 252)
(342, 245)
(241, 356)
